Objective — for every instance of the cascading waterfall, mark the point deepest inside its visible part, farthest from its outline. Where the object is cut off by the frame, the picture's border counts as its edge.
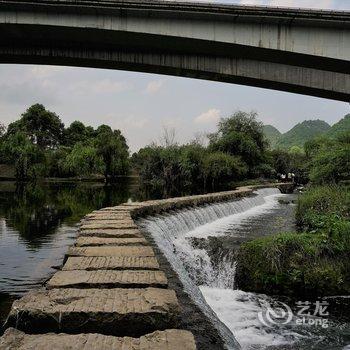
(199, 243)
(175, 234)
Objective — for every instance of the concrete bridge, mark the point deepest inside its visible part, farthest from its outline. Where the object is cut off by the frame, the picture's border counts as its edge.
(300, 51)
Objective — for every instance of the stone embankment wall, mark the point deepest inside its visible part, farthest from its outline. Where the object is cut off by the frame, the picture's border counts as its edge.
(111, 291)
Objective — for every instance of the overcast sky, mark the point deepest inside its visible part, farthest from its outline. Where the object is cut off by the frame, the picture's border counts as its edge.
(142, 104)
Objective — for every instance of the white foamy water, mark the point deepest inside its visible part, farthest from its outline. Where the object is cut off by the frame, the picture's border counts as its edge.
(212, 287)
(239, 310)
(238, 212)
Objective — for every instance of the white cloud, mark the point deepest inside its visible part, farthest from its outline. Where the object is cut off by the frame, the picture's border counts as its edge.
(154, 86)
(41, 72)
(105, 86)
(124, 123)
(211, 116)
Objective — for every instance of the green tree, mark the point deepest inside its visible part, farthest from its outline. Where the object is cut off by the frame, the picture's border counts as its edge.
(312, 147)
(78, 132)
(221, 168)
(331, 164)
(23, 154)
(192, 165)
(43, 127)
(2, 130)
(112, 147)
(241, 135)
(84, 160)
(281, 161)
(169, 170)
(56, 162)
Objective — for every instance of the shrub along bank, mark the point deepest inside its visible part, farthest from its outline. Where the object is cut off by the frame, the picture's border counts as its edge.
(312, 262)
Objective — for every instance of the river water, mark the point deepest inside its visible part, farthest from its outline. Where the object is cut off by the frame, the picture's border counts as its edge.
(37, 224)
(201, 244)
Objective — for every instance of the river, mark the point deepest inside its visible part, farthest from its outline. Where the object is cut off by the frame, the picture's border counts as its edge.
(39, 221)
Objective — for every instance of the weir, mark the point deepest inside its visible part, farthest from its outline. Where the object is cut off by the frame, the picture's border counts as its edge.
(117, 289)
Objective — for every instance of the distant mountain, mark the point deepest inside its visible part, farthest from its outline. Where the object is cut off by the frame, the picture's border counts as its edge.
(340, 127)
(301, 133)
(272, 134)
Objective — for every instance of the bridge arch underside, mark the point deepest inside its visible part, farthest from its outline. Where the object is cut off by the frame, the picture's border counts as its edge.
(161, 54)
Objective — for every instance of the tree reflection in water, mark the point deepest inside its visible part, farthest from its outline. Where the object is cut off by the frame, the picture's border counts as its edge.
(38, 223)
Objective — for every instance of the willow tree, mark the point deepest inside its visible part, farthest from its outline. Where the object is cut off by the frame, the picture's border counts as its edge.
(113, 149)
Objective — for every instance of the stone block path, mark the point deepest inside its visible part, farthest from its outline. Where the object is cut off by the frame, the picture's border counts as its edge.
(110, 294)
(160, 340)
(108, 279)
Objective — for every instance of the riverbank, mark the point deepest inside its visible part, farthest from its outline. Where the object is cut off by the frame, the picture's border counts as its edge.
(311, 263)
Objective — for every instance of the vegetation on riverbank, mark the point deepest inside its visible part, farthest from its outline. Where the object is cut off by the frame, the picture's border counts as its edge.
(39, 145)
(315, 260)
(236, 152)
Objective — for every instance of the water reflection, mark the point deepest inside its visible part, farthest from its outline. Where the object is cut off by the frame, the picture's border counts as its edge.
(38, 221)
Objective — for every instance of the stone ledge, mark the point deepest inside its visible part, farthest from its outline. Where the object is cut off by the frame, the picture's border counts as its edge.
(170, 339)
(137, 251)
(111, 263)
(108, 279)
(96, 225)
(125, 312)
(100, 241)
(117, 233)
(107, 216)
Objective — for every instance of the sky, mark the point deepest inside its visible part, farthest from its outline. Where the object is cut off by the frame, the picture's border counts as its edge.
(142, 105)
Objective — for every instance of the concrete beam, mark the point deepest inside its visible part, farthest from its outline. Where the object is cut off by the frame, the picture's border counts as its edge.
(301, 51)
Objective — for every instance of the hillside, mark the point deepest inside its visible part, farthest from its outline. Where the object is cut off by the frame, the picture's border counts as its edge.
(302, 132)
(272, 135)
(342, 126)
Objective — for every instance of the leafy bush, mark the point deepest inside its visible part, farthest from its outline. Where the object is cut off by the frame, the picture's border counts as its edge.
(320, 205)
(330, 160)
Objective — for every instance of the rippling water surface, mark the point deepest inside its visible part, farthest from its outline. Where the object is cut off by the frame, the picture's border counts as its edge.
(37, 224)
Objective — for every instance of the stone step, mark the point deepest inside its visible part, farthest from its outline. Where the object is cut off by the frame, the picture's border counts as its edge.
(108, 221)
(108, 279)
(100, 241)
(122, 224)
(117, 233)
(170, 339)
(126, 312)
(137, 251)
(111, 263)
(107, 217)
(118, 209)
